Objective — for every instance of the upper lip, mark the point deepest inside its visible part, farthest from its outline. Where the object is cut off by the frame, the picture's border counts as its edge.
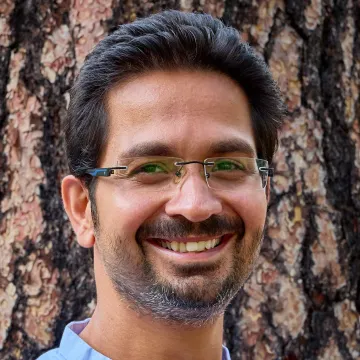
(191, 239)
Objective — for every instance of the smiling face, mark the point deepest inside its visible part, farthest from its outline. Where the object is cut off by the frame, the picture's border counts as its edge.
(191, 115)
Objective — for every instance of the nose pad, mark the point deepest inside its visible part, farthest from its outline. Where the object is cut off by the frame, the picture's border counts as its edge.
(179, 174)
(193, 199)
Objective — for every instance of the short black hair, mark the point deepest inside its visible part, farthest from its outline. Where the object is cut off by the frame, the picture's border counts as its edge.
(167, 41)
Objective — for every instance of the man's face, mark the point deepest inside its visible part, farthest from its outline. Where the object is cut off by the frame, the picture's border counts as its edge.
(190, 115)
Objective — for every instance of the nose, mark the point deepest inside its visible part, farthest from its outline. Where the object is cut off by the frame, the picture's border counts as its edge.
(193, 200)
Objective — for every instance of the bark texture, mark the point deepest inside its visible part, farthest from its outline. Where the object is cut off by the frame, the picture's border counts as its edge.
(303, 300)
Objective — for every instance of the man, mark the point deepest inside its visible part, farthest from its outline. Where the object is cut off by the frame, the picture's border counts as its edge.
(172, 126)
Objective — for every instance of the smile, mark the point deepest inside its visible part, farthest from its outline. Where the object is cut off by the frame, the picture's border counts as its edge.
(187, 246)
(190, 246)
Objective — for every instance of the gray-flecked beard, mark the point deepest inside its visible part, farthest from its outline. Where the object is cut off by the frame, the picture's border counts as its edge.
(147, 292)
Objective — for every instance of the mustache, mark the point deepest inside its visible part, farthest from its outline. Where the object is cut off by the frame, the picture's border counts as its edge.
(179, 226)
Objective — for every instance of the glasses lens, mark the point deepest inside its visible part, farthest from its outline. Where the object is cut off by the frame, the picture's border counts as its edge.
(234, 174)
(148, 173)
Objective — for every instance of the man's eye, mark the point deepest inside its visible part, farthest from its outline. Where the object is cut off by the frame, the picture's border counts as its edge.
(228, 166)
(150, 169)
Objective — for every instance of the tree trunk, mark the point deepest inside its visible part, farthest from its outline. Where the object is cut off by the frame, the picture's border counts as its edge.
(303, 299)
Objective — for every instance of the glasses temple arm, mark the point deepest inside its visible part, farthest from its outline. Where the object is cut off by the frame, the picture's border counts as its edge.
(270, 171)
(103, 171)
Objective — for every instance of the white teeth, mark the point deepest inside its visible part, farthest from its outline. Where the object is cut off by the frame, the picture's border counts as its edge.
(190, 246)
(201, 245)
(182, 247)
(175, 246)
(208, 244)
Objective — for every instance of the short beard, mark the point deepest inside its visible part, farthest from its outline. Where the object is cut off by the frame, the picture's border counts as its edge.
(147, 294)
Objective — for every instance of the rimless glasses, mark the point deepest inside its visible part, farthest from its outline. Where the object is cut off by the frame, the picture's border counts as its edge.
(160, 173)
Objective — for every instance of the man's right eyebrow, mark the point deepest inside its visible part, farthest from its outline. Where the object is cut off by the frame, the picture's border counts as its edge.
(147, 149)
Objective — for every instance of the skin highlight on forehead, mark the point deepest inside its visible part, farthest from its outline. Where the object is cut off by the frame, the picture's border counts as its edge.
(166, 88)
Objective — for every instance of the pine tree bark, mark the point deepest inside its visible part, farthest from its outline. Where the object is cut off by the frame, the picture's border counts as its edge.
(303, 299)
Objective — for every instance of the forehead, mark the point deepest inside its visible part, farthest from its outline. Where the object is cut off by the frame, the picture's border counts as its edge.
(186, 111)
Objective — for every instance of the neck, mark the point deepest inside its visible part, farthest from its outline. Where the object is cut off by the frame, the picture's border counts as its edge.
(117, 331)
(127, 336)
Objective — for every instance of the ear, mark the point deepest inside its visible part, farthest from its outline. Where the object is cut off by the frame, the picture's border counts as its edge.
(78, 208)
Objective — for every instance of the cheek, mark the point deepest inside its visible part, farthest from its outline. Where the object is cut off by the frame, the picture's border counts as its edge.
(252, 209)
(123, 214)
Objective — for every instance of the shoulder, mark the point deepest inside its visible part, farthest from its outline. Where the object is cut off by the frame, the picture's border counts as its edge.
(51, 355)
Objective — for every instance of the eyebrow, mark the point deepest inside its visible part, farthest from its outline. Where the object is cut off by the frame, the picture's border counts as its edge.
(231, 146)
(148, 149)
(160, 149)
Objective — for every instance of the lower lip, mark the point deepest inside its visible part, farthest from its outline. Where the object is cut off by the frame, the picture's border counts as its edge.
(193, 256)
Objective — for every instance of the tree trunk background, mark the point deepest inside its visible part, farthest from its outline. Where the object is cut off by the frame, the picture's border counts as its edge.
(303, 300)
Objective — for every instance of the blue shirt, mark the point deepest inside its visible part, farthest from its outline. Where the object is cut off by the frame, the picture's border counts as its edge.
(73, 347)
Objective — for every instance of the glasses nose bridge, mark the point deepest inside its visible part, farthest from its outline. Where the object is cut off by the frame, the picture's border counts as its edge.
(182, 170)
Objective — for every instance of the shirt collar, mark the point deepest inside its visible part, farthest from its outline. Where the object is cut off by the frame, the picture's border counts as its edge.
(72, 346)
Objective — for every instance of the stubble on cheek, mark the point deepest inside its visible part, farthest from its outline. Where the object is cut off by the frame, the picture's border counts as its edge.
(122, 259)
(247, 254)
